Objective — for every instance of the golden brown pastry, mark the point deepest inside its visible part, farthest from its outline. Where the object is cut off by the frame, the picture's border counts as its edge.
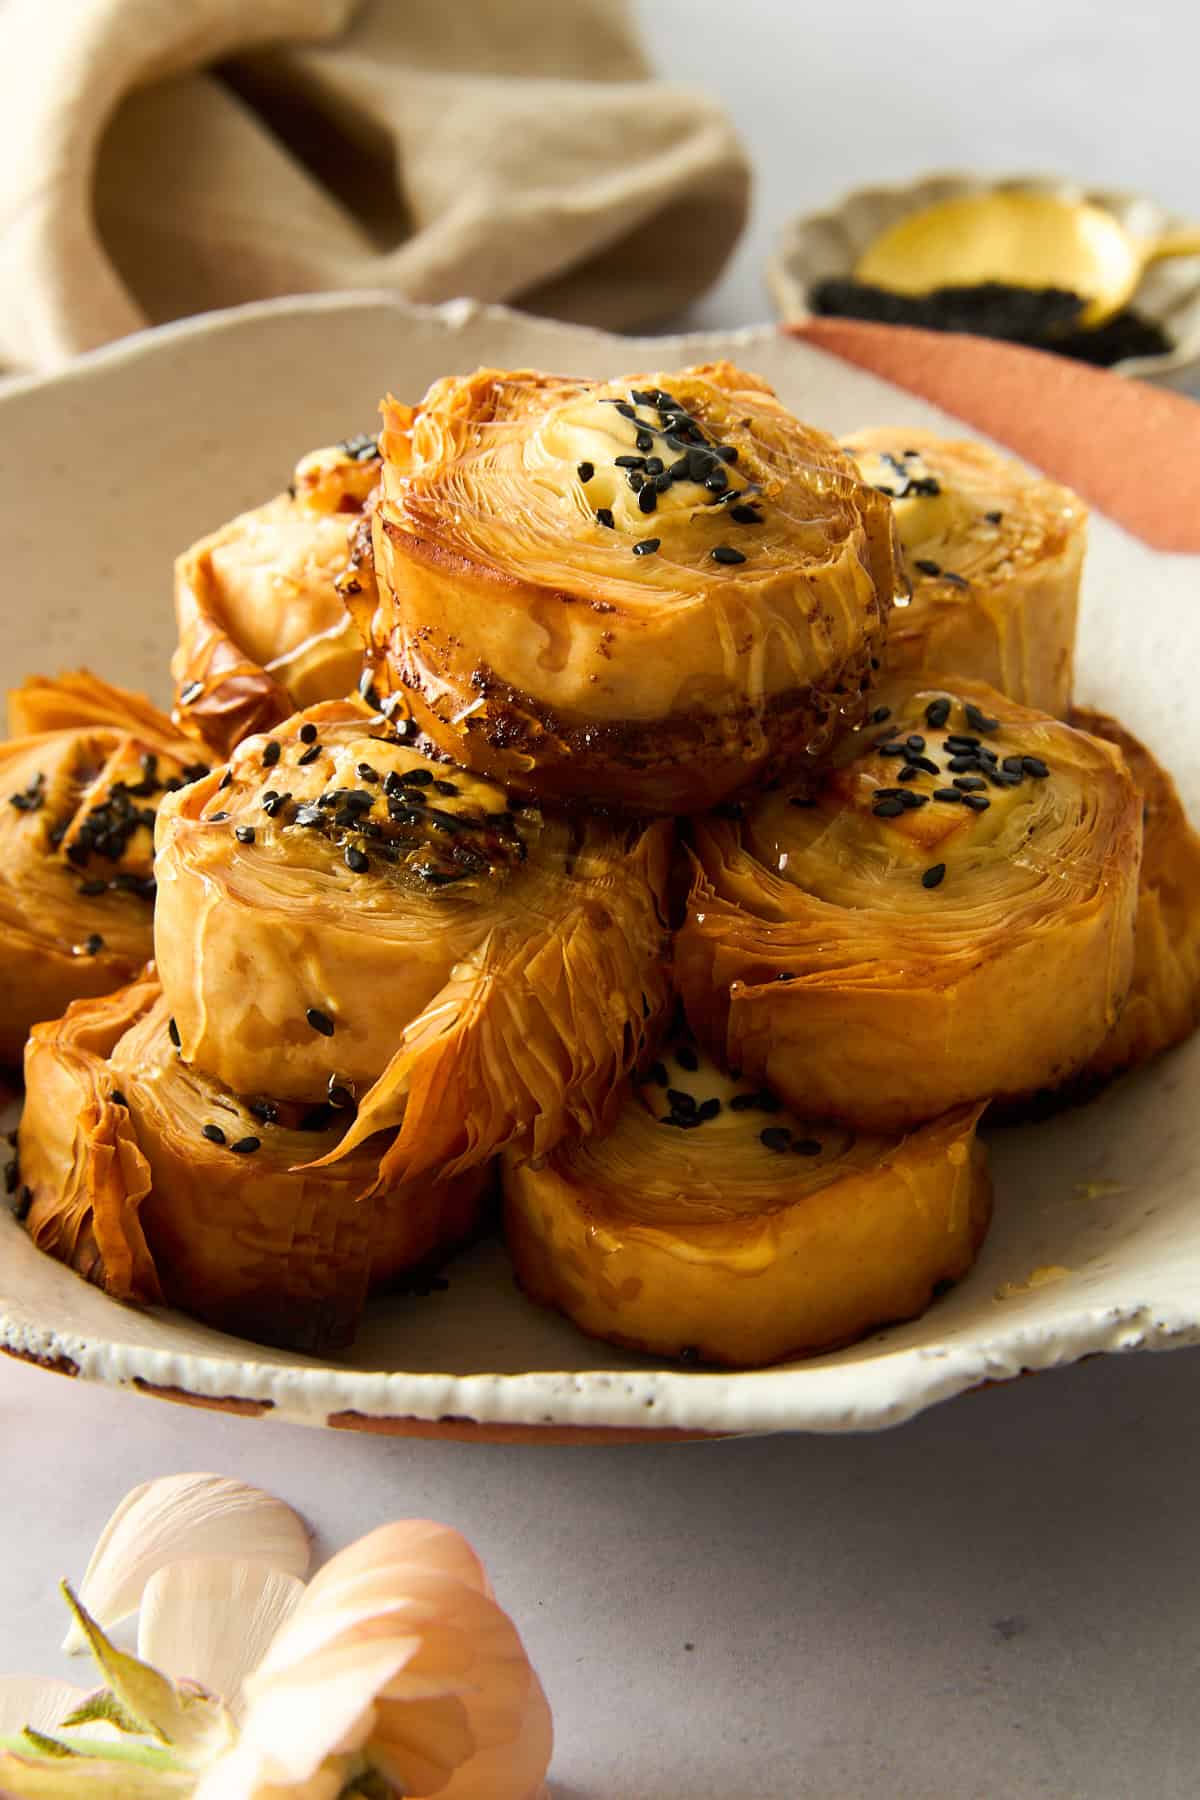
(645, 591)
(79, 788)
(336, 906)
(945, 917)
(714, 1223)
(260, 607)
(158, 1185)
(1163, 1006)
(994, 554)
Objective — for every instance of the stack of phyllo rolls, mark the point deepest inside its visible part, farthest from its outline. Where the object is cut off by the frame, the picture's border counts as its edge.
(631, 794)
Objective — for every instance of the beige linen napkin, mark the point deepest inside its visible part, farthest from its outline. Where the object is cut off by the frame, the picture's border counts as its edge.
(160, 157)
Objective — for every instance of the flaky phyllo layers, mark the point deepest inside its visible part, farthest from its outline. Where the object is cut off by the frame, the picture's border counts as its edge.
(646, 591)
(944, 915)
(993, 554)
(414, 930)
(259, 604)
(80, 784)
(337, 908)
(153, 1181)
(714, 1223)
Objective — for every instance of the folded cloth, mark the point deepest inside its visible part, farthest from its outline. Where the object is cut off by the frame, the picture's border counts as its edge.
(161, 157)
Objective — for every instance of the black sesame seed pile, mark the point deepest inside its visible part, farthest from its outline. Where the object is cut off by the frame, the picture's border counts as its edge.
(393, 821)
(105, 832)
(972, 764)
(903, 484)
(693, 456)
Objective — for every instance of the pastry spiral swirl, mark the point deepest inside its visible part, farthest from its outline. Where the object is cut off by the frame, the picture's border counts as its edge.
(1163, 1005)
(946, 917)
(155, 1183)
(993, 554)
(644, 592)
(79, 789)
(335, 906)
(260, 604)
(714, 1223)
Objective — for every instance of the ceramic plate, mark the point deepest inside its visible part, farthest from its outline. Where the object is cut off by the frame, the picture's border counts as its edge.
(110, 469)
(816, 245)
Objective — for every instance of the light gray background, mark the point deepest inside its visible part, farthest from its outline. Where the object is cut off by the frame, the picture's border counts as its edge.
(998, 1600)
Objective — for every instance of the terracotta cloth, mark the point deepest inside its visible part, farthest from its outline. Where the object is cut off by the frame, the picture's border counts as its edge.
(161, 157)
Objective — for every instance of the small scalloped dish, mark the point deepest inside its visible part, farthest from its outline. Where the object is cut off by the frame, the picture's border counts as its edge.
(157, 440)
(815, 246)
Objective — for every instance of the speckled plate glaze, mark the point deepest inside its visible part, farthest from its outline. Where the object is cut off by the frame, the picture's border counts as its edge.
(109, 469)
(813, 246)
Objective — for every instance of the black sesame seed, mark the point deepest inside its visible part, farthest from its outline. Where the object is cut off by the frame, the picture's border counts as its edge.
(993, 518)
(89, 889)
(933, 877)
(926, 566)
(1033, 765)
(308, 733)
(708, 1109)
(308, 756)
(246, 1146)
(977, 802)
(225, 781)
(727, 452)
(317, 1118)
(244, 834)
(977, 720)
(889, 809)
(585, 471)
(745, 515)
(273, 803)
(681, 1102)
(117, 1098)
(658, 1074)
(356, 861)
(217, 818)
(936, 714)
(266, 1110)
(880, 714)
(191, 692)
(604, 517)
(626, 411)
(922, 762)
(893, 750)
(963, 765)
(644, 440)
(320, 1021)
(970, 784)
(10, 1177)
(340, 1093)
(725, 553)
(93, 944)
(271, 754)
(173, 1032)
(687, 1059)
(807, 1147)
(630, 462)
(416, 778)
(958, 581)
(213, 1133)
(909, 772)
(913, 801)
(915, 742)
(646, 546)
(648, 499)
(775, 1137)
(716, 481)
(654, 466)
(949, 794)
(636, 481)
(445, 787)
